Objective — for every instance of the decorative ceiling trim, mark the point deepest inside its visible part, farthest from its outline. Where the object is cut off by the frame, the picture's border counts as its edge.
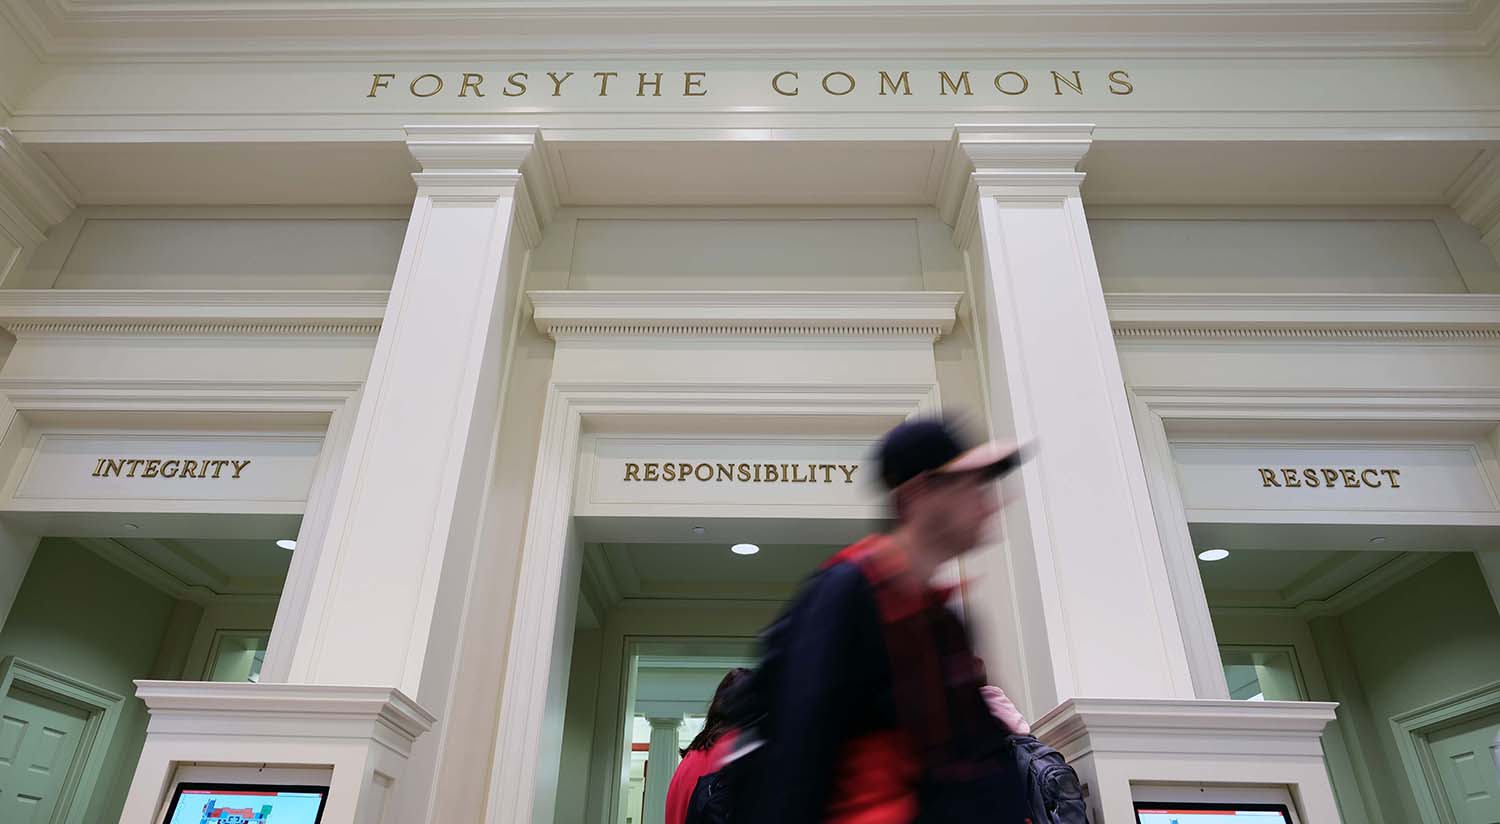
(594, 314)
(1352, 318)
(1478, 201)
(31, 201)
(34, 312)
(1349, 596)
(469, 29)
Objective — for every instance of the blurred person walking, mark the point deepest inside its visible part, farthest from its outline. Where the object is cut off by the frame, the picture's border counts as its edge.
(871, 705)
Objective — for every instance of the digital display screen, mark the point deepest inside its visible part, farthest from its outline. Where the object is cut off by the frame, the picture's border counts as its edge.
(246, 804)
(1163, 812)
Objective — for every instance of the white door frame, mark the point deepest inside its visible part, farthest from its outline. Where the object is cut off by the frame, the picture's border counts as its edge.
(543, 594)
(1412, 729)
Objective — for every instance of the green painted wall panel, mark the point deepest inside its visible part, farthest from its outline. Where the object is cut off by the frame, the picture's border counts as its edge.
(82, 616)
(1425, 639)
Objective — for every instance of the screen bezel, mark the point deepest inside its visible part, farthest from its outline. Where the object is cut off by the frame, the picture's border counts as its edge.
(1215, 806)
(232, 787)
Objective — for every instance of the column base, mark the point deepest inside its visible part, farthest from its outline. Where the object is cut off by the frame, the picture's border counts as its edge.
(1212, 750)
(356, 738)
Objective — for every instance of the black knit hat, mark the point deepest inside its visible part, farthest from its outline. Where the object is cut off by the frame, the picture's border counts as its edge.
(934, 446)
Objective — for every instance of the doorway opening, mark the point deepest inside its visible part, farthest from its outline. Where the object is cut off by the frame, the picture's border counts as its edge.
(660, 623)
(1395, 623)
(108, 599)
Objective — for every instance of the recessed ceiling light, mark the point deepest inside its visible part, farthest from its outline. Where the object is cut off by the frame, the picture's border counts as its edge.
(698, 530)
(1378, 539)
(744, 549)
(1213, 555)
(132, 526)
(287, 543)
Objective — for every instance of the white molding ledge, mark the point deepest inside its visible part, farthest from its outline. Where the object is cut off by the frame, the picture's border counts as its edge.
(32, 312)
(595, 314)
(1185, 727)
(264, 705)
(1443, 317)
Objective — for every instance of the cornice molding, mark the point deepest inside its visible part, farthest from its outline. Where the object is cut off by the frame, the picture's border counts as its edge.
(1478, 201)
(469, 29)
(33, 312)
(1415, 318)
(565, 315)
(266, 703)
(31, 201)
(479, 163)
(1023, 161)
(1138, 725)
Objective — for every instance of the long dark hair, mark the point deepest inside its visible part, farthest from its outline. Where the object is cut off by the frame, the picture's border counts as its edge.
(717, 722)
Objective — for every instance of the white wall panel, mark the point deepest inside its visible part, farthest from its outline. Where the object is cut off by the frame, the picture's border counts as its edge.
(1274, 255)
(154, 250)
(871, 254)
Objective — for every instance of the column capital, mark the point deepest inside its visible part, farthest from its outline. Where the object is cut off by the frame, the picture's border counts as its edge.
(665, 722)
(31, 200)
(483, 163)
(1021, 161)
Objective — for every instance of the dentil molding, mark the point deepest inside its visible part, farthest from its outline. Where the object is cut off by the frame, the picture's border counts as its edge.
(603, 314)
(1336, 317)
(33, 312)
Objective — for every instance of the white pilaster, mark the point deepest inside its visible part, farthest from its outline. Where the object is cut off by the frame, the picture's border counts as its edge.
(1085, 560)
(661, 762)
(394, 576)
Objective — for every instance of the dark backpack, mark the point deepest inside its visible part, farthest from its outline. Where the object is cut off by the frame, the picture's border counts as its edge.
(713, 799)
(1052, 790)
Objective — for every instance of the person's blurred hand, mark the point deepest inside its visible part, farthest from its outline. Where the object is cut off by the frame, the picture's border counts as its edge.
(1004, 709)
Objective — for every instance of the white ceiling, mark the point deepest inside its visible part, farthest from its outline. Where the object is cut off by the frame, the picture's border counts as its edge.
(766, 172)
(710, 570)
(460, 29)
(196, 568)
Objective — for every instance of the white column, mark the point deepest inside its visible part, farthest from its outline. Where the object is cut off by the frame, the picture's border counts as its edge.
(394, 573)
(1091, 600)
(661, 762)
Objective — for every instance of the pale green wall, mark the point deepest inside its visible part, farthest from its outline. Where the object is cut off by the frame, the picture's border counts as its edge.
(1425, 639)
(81, 616)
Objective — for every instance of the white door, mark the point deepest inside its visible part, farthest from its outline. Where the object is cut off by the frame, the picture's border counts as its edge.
(1465, 757)
(39, 741)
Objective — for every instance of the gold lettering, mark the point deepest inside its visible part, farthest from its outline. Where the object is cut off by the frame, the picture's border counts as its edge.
(176, 466)
(946, 83)
(1365, 476)
(848, 470)
(848, 78)
(135, 463)
(669, 472)
(1268, 478)
(604, 81)
(517, 80)
(726, 472)
(419, 78)
(902, 83)
(651, 469)
(381, 80)
(1392, 473)
(190, 469)
(219, 467)
(98, 467)
(827, 472)
(771, 476)
(1351, 479)
(632, 472)
(655, 85)
(114, 467)
(776, 84)
(684, 471)
(1058, 81)
(471, 81)
(693, 80)
(557, 82)
(1290, 477)
(703, 472)
(1000, 83)
(1330, 477)
(1310, 478)
(153, 468)
(239, 466)
(1121, 78)
(743, 472)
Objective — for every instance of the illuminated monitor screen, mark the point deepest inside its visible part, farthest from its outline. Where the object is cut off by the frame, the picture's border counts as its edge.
(246, 804)
(1171, 812)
